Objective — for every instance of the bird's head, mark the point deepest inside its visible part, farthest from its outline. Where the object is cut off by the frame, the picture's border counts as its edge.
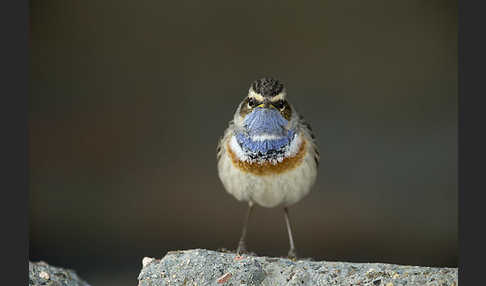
(265, 114)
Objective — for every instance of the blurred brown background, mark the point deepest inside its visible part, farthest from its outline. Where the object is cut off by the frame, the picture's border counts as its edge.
(129, 98)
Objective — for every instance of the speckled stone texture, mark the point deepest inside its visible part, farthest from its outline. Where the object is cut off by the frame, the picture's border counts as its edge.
(205, 267)
(40, 273)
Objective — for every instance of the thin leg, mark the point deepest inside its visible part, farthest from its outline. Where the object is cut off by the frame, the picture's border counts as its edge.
(242, 244)
(292, 251)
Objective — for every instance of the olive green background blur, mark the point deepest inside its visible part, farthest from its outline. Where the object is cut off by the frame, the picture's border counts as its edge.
(129, 98)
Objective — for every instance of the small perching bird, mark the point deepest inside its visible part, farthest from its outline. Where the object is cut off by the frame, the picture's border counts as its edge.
(268, 153)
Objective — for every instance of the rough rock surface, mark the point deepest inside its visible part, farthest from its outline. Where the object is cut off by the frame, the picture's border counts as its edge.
(41, 273)
(205, 267)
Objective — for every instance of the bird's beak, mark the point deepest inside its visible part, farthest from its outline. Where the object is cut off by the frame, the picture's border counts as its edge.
(266, 104)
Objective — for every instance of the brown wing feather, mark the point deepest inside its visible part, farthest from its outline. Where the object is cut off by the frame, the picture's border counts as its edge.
(308, 129)
(219, 147)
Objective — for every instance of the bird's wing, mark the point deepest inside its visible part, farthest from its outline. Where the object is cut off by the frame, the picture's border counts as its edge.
(223, 139)
(307, 130)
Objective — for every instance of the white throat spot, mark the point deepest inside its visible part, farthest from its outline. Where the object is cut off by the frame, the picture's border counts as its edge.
(264, 137)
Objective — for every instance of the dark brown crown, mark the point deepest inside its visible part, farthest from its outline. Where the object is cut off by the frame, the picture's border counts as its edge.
(267, 86)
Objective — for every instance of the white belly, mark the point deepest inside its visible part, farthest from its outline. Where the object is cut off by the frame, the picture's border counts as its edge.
(269, 190)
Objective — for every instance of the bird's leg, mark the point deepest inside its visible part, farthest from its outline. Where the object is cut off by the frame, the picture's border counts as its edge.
(242, 245)
(292, 252)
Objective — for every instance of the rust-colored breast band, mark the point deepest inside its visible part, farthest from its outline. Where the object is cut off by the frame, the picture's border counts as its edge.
(268, 168)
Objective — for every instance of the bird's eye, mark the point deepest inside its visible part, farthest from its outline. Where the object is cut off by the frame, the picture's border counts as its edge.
(251, 102)
(279, 104)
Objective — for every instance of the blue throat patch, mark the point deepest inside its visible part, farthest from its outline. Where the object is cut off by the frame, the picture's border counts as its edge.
(265, 122)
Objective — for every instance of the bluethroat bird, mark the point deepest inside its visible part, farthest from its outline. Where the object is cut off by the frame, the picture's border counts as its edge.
(268, 154)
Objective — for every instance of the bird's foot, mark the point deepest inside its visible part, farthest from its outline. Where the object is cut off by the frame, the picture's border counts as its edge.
(241, 248)
(292, 254)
